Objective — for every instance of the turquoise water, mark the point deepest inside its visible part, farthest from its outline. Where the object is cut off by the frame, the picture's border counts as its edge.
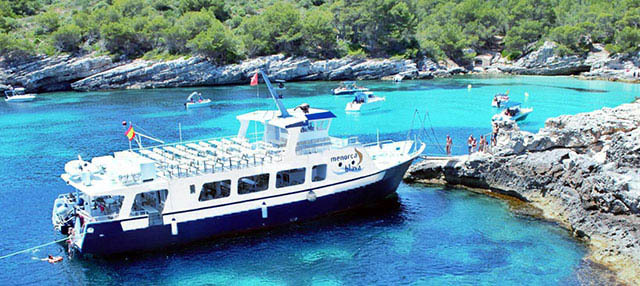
(428, 236)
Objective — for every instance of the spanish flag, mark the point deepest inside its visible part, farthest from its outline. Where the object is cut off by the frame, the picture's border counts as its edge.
(130, 133)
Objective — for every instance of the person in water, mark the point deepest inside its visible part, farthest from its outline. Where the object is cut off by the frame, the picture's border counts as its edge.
(449, 143)
(53, 259)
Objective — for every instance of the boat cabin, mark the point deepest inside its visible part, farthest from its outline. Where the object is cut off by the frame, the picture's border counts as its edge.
(136, 182)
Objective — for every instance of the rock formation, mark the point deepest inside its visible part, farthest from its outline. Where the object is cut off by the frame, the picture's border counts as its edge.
(581, 170)
(99, 73)
(544, 61)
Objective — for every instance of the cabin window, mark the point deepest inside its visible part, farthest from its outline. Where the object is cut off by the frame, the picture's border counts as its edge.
(281, 135)
(316, 125)
(149, 202)
(215, 190)
(290, 177)
(319, 173)
(252, 184)
(322, 125)
(106, 205)
(192, 189)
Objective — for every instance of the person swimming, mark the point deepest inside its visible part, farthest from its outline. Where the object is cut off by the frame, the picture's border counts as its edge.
(52, 259)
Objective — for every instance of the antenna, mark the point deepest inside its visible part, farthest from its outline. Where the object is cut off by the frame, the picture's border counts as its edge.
(274, 95)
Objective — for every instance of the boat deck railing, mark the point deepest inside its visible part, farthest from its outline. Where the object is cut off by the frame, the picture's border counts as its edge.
(189, 158)
(88, 216)
(221, 154)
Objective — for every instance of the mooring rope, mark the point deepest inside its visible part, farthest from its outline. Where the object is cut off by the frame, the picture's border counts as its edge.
(33, 248)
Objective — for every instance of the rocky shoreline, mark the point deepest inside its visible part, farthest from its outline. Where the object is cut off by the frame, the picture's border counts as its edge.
(94, 72)
(582, 171)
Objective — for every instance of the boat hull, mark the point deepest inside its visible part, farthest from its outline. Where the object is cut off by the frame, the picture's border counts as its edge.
(190, 105)
(20, 98)
(109, 238)
(349, 91)
(361, 107)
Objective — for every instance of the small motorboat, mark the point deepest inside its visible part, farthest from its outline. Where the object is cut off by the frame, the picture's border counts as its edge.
(364, 101)
(499, 99)
(398, 78)
(196, 100)
(348, 87)
(512, 111)
(18, 95)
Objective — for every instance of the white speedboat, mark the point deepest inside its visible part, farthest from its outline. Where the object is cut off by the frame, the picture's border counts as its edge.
(512, 111)
(155, 197)
(196, 100)
(365, 101)
(18, 95)
(348, 87)
(499, 99)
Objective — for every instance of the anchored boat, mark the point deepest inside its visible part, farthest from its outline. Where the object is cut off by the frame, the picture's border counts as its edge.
(500, 99)
(512, 111)
(196, 100)
(154, 197)
(364, 101)
(348, 87)
(18, 95)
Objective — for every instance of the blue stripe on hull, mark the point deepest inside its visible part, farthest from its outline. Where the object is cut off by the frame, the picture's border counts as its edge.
(115, 240)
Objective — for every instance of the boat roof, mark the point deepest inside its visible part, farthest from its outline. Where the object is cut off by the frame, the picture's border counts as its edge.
(195, 93)
(297, 118)
(511, 104)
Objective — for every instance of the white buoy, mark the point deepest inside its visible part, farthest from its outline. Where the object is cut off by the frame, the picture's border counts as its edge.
(174, 227)
(311, 196)
(468, 87)
(264, 210)
(526, 94)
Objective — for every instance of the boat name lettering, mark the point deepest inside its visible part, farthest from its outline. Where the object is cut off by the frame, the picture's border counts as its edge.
(344, 157)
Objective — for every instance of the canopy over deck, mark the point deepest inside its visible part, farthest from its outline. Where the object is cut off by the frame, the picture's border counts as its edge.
(297, 118)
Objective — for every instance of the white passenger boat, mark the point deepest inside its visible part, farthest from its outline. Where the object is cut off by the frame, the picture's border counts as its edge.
(499, 99)
(512, 111)
(348, 87)
(18, 95)
(155, 197)
(196, 100)
(364, 101)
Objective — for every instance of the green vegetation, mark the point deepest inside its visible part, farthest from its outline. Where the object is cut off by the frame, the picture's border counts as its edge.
(228, 31)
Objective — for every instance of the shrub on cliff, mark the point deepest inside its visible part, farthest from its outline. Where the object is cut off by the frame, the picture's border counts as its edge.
(14, 48)
(216, 7)
(570, 40)
(217, 43)
(47, 22)
(277, 29)
(319, 37)
(626, 41)
(521, 36)
(120, 39)
(68, 38)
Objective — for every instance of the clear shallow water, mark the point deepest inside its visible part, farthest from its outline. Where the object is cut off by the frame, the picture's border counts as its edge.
(430, 236)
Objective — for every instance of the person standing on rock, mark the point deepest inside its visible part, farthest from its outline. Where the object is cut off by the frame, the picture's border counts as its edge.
(449, 143)
(470, 144)
(494, 135)
(474, 144)
(483, 143)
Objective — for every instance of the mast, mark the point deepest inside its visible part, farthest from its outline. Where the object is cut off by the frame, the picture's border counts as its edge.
(274, 95)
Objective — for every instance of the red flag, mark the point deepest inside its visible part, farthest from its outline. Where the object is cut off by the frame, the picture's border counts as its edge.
(254, 79)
